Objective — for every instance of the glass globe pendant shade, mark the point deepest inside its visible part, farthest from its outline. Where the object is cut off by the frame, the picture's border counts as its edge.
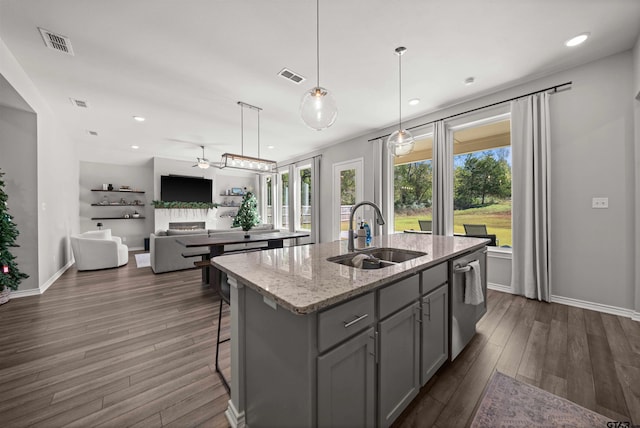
(400, 143)
(318, 108)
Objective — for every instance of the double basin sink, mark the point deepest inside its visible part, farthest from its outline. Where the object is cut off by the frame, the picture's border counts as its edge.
(376, 258)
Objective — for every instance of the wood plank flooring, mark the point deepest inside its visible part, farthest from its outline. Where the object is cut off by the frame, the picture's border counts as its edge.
(124, 347)
(587, 357)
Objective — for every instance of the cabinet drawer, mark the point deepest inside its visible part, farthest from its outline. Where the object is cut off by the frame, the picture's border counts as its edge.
(398, 295)
(434, 277)
(342, 321)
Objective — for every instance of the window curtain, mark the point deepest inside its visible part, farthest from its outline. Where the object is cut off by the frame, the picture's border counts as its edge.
(531, 273)
(442, 180)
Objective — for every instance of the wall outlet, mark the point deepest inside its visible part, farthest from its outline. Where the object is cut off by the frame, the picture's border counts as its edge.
(600, 203)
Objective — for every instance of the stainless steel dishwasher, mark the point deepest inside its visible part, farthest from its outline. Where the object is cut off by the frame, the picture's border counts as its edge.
(463, 317)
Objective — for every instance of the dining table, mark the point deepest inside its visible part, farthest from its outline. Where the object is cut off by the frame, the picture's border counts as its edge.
(216, 243)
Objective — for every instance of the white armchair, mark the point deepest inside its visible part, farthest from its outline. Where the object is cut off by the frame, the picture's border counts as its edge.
(97, 249)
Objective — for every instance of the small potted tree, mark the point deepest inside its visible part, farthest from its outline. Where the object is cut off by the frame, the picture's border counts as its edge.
(10, 275)
(247, 215)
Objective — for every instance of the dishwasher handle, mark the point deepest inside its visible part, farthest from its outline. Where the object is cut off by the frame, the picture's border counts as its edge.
(462, 269)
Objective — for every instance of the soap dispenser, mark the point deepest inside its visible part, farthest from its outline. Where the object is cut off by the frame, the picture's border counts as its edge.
(367, 231)
(362, 236)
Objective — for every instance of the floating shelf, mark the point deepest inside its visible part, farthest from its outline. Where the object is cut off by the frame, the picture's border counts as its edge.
(117, 205)
(117, 218)
(117, 191)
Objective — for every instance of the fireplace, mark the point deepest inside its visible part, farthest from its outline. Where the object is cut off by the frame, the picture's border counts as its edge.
(187, 225)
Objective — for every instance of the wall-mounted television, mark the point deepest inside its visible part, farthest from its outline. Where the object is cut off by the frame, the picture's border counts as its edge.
(185, 189)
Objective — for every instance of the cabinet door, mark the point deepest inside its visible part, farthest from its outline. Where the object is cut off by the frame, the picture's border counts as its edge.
(346, 383)
(435, 331)
(399, 363)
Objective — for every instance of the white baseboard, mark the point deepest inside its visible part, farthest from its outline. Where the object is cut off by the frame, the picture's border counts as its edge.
(236, 419)
(136, 248)
(599, 307)
(500, 287)
(45, 286)
(583, 304)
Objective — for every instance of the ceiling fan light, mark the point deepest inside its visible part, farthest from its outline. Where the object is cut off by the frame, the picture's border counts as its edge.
(401, 143)
(203, 164)
(318, 108)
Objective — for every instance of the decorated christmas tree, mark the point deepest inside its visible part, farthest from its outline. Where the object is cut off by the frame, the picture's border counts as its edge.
(247, 215)
(10, 275)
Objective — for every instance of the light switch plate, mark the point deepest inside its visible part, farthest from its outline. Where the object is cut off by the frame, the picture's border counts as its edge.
(600, 203)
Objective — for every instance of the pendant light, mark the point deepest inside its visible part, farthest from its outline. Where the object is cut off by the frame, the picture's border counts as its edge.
(230, 160)
(318, 108)
(401, 142)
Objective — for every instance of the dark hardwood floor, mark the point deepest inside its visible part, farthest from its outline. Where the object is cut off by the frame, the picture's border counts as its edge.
(124, 347)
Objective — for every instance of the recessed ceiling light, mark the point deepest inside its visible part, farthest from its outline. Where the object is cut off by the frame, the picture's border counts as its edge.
(469, 81)
(134, 147)
(414, 101)
(270, 147)
(138, 118)
(577, 40)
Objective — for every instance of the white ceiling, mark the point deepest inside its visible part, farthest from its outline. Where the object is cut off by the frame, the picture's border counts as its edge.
(184, 64)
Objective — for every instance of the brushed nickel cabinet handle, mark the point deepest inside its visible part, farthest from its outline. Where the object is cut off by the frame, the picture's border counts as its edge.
(358, 318)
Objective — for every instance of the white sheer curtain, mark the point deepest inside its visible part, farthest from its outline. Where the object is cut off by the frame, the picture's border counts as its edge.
(531, 273)
(442, 180)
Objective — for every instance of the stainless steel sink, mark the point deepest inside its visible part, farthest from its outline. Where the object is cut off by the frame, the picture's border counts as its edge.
(385, 256)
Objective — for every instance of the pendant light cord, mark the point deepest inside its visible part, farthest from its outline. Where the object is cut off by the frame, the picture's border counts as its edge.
(400, 91)
(242, 129)
(258, 133)
(318, 42)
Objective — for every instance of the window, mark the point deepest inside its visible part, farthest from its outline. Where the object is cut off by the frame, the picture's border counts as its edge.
(412, 186)
(284, 200)
(482, 180)
(303, 201)
(347, 191)
(295, 198)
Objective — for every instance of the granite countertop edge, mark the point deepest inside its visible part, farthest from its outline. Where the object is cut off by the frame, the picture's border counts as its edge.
(380, 277)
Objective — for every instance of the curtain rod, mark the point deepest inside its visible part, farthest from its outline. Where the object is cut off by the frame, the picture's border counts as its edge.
(299, 160)
(553, 89)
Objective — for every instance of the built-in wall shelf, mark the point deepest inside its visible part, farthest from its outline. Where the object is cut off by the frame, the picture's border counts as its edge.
(117, 191)
(117, 218)
(117, 205)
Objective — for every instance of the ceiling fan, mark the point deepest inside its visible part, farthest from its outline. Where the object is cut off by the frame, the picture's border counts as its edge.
(203, 162)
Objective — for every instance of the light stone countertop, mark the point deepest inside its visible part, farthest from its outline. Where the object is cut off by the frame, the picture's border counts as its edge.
(301, 279)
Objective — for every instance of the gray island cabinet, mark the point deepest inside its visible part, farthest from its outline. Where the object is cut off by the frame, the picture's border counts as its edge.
(316, 343)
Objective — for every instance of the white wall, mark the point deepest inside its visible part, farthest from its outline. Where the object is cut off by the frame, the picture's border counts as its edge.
(57, 177)
(18, 140)
(93, 175)
(592, 156)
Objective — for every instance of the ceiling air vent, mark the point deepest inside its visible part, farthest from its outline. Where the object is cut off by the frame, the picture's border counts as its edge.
(290, 75)
(56, 41)
(79, 103)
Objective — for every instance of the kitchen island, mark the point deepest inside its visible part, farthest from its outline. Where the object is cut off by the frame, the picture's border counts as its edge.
(318, 343)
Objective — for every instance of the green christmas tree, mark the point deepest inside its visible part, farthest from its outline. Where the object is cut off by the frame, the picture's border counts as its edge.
(10, 275)
(247, 215)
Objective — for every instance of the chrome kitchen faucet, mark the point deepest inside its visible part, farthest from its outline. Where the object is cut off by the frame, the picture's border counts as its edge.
(379, 220)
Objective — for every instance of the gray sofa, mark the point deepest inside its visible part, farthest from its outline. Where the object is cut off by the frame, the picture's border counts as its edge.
(166, 252)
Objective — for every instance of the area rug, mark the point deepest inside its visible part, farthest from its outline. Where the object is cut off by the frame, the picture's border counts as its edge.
(143, 260)
(507, 402)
